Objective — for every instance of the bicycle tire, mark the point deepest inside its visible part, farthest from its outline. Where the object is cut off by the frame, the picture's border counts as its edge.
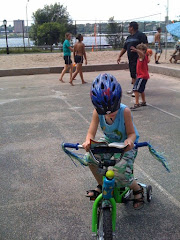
(104, 224)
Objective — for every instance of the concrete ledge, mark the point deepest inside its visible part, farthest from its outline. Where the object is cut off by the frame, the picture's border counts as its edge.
(27, 71)
(173, 72)
(32, 71)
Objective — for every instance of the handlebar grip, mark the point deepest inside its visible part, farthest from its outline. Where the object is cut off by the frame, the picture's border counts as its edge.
(71, 145)
(141, 144)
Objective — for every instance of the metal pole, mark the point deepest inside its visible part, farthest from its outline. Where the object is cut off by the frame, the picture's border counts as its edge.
(23, 34)
(7, 48)
(27, 23)
(100, 34)
(166, 22)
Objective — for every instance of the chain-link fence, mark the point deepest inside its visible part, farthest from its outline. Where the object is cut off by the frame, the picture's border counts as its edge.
(98, 35)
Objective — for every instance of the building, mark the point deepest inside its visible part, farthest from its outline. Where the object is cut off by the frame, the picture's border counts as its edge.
(18, 26)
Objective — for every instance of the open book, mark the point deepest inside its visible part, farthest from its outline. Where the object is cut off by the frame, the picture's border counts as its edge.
(105, 144)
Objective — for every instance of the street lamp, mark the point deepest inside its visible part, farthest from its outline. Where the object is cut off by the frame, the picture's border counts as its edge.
(7, 48)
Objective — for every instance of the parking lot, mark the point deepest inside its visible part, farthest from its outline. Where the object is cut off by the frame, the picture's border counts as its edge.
(43, 192)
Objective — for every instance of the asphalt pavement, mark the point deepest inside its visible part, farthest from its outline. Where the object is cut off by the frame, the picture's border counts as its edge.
(43, 192)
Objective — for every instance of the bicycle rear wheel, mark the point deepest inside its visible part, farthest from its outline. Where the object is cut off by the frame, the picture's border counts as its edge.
(104, 224)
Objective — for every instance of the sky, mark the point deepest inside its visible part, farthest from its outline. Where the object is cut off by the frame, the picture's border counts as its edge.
(94, 9)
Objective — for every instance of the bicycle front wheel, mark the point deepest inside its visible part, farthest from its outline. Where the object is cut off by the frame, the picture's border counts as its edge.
(104, 224)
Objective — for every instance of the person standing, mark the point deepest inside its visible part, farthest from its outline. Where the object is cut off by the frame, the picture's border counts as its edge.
(142, 74)
(136, 37)
(78, 53)
(67, 49)
(157, 42)
(174, 56)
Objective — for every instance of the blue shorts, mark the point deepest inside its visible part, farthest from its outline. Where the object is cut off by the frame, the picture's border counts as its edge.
(67, 60)
(139, 85)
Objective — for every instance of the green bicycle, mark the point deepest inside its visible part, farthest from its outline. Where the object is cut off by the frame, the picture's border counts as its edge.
(104, 206)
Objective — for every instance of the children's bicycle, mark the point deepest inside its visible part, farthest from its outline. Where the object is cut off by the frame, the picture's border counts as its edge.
(104, 206)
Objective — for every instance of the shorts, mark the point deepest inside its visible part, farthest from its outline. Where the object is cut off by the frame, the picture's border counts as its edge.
(67, 60)
(78, 59)
(123, 171)
(140, 85)
(132, 69)
(157, 49)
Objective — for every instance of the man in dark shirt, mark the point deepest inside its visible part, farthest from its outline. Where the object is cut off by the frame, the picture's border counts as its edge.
(136, 37)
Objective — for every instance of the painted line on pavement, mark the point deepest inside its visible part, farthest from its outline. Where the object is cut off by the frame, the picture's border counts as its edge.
(157, 185)
(161, 110)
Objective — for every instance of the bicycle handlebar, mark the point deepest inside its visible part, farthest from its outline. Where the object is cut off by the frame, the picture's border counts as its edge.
(72, 145)
(77, 145)
(141, 144)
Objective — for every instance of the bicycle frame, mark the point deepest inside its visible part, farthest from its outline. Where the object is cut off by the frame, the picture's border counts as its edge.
(117, 198)
(108, 202)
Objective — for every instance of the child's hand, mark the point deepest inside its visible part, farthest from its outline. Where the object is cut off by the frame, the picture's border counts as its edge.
(130, 144)
(133, 49)
(86, 145)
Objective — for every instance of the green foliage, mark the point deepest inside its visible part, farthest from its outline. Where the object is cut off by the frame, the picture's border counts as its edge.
(50, 33)
(50, 24)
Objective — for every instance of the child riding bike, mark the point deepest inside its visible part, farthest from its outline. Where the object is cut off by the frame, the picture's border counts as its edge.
(117, 125)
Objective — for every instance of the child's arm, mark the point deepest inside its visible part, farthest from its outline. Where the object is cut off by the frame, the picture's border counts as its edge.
(74, 51)
(149, 58)
(84, 53)
(91, 131)
(139, 52)
(71, 49)
(131, 136)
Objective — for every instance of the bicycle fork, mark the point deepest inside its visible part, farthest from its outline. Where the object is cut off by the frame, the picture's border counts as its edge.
(111, 203)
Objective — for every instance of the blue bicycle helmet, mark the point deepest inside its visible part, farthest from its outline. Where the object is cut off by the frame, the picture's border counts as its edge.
(106, 94)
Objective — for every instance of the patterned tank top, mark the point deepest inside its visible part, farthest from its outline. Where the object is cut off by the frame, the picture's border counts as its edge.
(116, 132)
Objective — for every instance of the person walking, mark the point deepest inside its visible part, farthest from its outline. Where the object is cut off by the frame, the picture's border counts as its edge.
(78, 53)
(157, 42)
(67, 49)
(136, 37)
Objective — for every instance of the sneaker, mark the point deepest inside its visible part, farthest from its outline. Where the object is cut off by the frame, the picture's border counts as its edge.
(130, 92)
(133, 95)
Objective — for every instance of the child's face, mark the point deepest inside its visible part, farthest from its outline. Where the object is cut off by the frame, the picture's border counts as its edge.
(69, 37)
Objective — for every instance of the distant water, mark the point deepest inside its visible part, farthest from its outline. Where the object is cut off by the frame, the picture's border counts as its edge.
(18, 42)
(15, 42)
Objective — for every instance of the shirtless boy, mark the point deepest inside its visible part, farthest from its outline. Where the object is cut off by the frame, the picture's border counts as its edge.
(79, 53)
(158, 49)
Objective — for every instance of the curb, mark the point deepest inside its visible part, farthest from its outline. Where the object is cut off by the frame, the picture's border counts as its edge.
(33, 71)
(173, 72)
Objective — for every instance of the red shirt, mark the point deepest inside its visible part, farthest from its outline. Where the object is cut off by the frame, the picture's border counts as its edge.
(142, 68)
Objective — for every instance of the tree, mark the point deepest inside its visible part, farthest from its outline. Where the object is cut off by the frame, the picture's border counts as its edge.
(50, 24)
(114, 37)
(50, 33)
